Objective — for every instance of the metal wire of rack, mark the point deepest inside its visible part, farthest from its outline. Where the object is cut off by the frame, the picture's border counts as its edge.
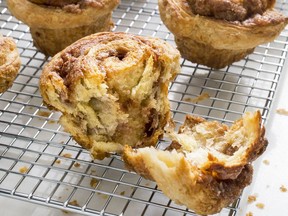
(40, 163)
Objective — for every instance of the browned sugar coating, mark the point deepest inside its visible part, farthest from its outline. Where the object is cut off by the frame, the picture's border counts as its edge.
(231, 10)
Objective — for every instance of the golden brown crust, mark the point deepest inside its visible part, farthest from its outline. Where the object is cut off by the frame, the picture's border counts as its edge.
(210, 165)
(112, 90)
(219, 34)
(9, 62)
(36, 16)
(54, 28)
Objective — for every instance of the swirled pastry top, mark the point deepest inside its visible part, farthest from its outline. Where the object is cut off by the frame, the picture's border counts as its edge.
(231, 10)
(247, 34)
(110, 59)
(73, 6)
(60, 14)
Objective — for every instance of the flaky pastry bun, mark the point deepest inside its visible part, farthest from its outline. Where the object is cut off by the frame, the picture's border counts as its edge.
(216, 42)
(55, 26)
(207, 165)
(112, 90)
(9, 62)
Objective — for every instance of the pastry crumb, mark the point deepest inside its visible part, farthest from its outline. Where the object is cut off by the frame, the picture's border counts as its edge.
(266, 162)
(201, 97)
(105, 196)
(23, 169)
(260, 205)
(74, 203)
(283, 188)
(67, 155)
(76, 164)
(65, 212)
(282, 111)
(251, 198)
(93, 182)
(43, 113)
(51, 122)
(58, 161)
(122, 193)
(249, 214)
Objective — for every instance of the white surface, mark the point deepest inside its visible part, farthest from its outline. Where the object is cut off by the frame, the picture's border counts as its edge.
(269, 178)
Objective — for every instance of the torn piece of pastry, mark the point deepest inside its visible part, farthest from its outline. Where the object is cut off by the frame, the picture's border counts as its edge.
(112, 90)
(55, 24)
(9, 62)
(207, 165)
(217, 33)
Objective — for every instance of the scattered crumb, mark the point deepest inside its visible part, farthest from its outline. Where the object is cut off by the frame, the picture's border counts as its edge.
(93, 182)
(93, 171)
(147, 184)
(282, 112)
(283, 188)
(23, 169)
(62, 142)
(249, 214)
(201, 97)
(260, 205)
(43, 113)
(105, 196)
(51, 122)
(74, 203)
(76, 164)
(67, 155)
(65, 212)
(266, 162)
(251, 198)
(122, 193)
(58, 161)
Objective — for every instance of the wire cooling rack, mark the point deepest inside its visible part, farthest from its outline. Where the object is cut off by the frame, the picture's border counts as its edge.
(40, 163)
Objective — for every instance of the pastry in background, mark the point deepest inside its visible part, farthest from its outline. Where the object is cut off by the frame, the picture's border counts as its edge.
(112, 90)
(217, 33)
(207, 165)
(9, 62)
(55, 24)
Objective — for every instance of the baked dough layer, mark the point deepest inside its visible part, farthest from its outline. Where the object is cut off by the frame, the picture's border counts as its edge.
(54, 28)
(9, 62)
(112, 90)
(207, 165)
(216, 35)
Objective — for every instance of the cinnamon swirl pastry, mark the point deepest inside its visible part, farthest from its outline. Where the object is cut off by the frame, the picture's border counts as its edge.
(9, 62)
(217, 33)
(56, 24)
(207, 165)
(112, 90)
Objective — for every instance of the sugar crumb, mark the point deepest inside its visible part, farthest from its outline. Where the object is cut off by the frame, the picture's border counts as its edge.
(260, 205)
(251, 198)
(67, 155)
(249, 214)
(93, 182)
(43, 113)
(201, 97)
(76, 164)
(58, 161)
(282, 111)
(283, 188)
(266, 162)
(74, 203)
(23, 169)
